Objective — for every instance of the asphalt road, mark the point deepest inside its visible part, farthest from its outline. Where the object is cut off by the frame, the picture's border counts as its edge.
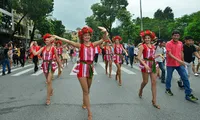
(23, 95)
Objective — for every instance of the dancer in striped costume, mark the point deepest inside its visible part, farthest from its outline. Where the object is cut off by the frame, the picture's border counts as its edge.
(86, 56)
(59, 53)
(48, 65)
(148, 65)
(108, 57)
(118, 57)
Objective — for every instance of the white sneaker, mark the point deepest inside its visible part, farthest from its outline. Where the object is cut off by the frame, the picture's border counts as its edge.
(196, 74)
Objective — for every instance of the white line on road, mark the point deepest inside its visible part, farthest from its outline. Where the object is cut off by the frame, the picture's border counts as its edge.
(127, 71)
(37, 73)
(12, 70)
(72, 73)
(22, 72)
(103, 65)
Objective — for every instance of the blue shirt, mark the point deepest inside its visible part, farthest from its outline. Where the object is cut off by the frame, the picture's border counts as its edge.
(131, 50)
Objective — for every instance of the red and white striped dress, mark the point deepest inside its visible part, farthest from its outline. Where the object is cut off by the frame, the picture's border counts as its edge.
(108, 52)
(48, 59)
(86, 55)
(148, 53)
(59, 50)
(117, 52)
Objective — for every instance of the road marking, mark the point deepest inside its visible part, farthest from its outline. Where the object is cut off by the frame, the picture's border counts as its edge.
(103, 65)
(12, 70)
(72, 73)
(22, 72)
(127, 71)
(37, 73)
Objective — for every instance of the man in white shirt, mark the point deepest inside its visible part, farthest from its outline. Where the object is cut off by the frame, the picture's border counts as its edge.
(160, 51)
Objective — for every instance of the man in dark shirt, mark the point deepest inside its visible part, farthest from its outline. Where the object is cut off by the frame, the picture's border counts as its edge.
(22, 55)
(5, 61)
(131, 53)
(188, 50)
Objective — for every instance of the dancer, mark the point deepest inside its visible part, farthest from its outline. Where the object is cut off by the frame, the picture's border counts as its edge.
(108, 57)
(48, 65)
(59, 53)
(118, 57)
(86, 67)
(147, 64)
(65, 55)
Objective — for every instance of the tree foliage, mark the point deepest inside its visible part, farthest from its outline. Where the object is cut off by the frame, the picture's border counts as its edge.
(106, 12)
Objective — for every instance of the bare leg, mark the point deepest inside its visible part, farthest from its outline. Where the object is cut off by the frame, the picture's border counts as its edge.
(106, 66)
(84, 84)
(119, 73)
(110, 68)
(144, 82)
(49, 87)
(153, 89)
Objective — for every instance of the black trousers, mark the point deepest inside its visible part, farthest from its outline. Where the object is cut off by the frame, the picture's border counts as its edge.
(96, 58)
(15, 59)
(35, 61)
(131, 57)
(22, 61)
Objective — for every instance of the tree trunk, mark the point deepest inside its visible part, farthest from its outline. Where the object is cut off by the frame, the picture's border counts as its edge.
(18, 26)
(33, 33)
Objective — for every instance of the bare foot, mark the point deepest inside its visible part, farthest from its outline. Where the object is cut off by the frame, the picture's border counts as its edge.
(140, 93)
(109, 75)
(48, 102)
(90, 116)
(155, 105)
(84, 106)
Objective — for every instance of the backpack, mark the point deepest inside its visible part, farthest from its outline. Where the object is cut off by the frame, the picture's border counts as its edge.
(2, 56)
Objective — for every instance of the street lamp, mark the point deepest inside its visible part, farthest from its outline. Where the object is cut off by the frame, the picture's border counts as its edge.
(141, 15)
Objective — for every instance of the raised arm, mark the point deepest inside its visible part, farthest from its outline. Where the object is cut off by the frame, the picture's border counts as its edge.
(77, 45)
(105, 37)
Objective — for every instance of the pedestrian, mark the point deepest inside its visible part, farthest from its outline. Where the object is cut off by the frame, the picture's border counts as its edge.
(5, 61)
(65, 55)
(148, 64)
(36, 48)
(22, 55)
(15, 56)
(108, 57)
(48, 65)
(175, 60)
(97, 50)
(160, 59)
(86, 67)
(188, 50)
(131, 53)
(118, 57)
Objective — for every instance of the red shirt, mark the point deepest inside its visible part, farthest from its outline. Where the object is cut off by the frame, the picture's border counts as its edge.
(36, 48)
(176, 49)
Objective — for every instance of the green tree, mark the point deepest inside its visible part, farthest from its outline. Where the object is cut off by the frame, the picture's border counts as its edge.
(91, 22)
(67, 36)
(45, 26)
(168, 13)
(158, 14)
(59, 28)
(33, 9)
(106, 12)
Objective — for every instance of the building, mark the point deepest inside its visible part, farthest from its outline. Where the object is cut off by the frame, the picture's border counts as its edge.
(6, 21)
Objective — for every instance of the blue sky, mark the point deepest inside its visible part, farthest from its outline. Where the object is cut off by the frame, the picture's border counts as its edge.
(73, 12)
